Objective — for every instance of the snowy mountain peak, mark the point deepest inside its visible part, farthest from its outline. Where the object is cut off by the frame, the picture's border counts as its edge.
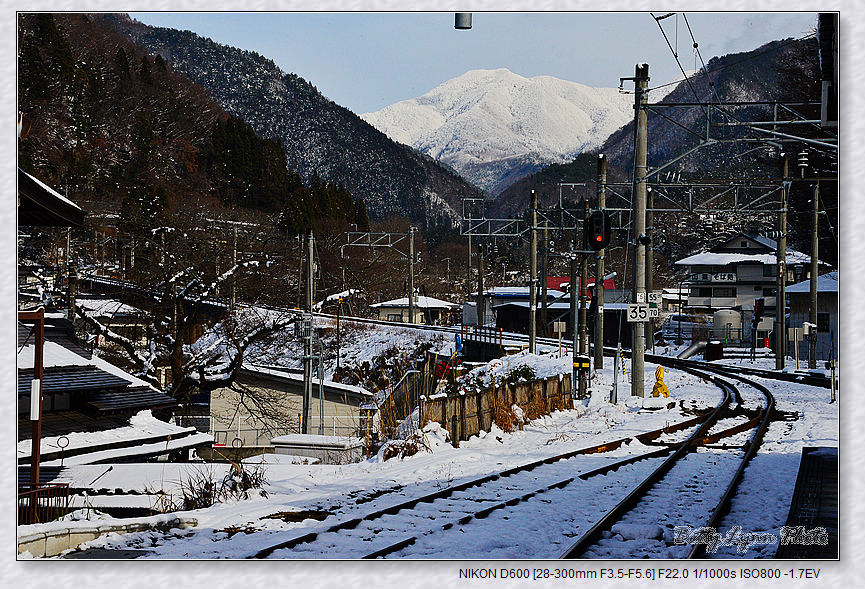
(485, 123)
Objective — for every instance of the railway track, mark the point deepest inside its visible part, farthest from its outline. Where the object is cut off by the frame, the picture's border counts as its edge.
(636, 518)
(418, 524)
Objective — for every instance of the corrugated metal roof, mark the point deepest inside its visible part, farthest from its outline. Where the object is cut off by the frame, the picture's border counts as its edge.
(70, 379)
(126, 399)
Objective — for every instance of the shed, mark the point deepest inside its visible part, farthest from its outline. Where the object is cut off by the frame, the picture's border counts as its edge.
(426, 310)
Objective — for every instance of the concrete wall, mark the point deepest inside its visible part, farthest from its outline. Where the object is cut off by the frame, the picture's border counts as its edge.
(284, 403)
(51, 539)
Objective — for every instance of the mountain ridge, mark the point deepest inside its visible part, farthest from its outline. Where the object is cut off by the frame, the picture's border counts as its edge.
(320, 137)
(485, 123)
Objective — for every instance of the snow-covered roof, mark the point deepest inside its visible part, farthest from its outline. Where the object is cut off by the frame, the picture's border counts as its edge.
(725, 259)
(420, 302)
(503, 292)
(56, 355)
(316, 441)
(144, 436)
(826, 283)
(525, 305)
(106, 307)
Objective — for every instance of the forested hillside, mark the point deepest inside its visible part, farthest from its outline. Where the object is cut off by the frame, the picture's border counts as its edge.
(319, 137)
(117, 130)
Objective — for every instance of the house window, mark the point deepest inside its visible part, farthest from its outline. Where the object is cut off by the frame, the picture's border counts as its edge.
(704, 292)
(769, 270)
(726, 292)
(394, 317)
(744, 243)
(823, 322)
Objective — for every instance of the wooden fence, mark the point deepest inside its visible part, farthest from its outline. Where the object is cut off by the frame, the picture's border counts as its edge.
(466, 415)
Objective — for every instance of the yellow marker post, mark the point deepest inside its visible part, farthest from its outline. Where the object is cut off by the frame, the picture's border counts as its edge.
(660, 388)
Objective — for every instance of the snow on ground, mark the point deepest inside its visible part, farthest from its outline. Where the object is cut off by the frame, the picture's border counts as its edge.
(762, 506)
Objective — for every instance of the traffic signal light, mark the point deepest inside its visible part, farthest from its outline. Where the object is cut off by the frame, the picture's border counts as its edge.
(597, 230)
(759, 309)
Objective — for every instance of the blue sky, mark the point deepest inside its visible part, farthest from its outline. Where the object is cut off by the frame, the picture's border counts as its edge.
(368, 60)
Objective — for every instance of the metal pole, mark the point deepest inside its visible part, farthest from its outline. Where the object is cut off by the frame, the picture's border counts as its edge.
(411, 275)
(650, 280)
(780, 327)
(584, 341)
(638, 344)
(599, 269)
(544, 259)
(575, 322)
(234, 271)
(469, 270)
(320, 388)
(533, 275)
(812, 343)
(338, 309)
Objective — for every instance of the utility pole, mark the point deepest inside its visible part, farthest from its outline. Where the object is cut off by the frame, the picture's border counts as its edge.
(638, 344)
(411, 274)
(599, 269)
(306, 333)
(481, 308)
(781, 258)
(812, 341)
(533, 275)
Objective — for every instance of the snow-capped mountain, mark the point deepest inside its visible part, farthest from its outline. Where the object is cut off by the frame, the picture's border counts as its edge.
(494, 127)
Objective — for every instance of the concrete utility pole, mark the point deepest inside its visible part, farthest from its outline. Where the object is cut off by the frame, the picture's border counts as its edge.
(599, 269)
(780, 328)
(638, 344)
(480, 304)
(533, 275)
(812, 342)
(306, 333)
(411, 274)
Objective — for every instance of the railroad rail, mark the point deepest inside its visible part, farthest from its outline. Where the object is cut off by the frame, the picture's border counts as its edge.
(631, 504)
(456, 505)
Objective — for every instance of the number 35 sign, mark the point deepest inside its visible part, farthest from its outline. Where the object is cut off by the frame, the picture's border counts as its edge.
(641, 312)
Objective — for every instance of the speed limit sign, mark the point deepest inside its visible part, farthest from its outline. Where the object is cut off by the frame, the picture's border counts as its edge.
(638, 312)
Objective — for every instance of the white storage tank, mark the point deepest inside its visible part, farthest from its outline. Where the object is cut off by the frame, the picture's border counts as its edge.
(727, 324)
